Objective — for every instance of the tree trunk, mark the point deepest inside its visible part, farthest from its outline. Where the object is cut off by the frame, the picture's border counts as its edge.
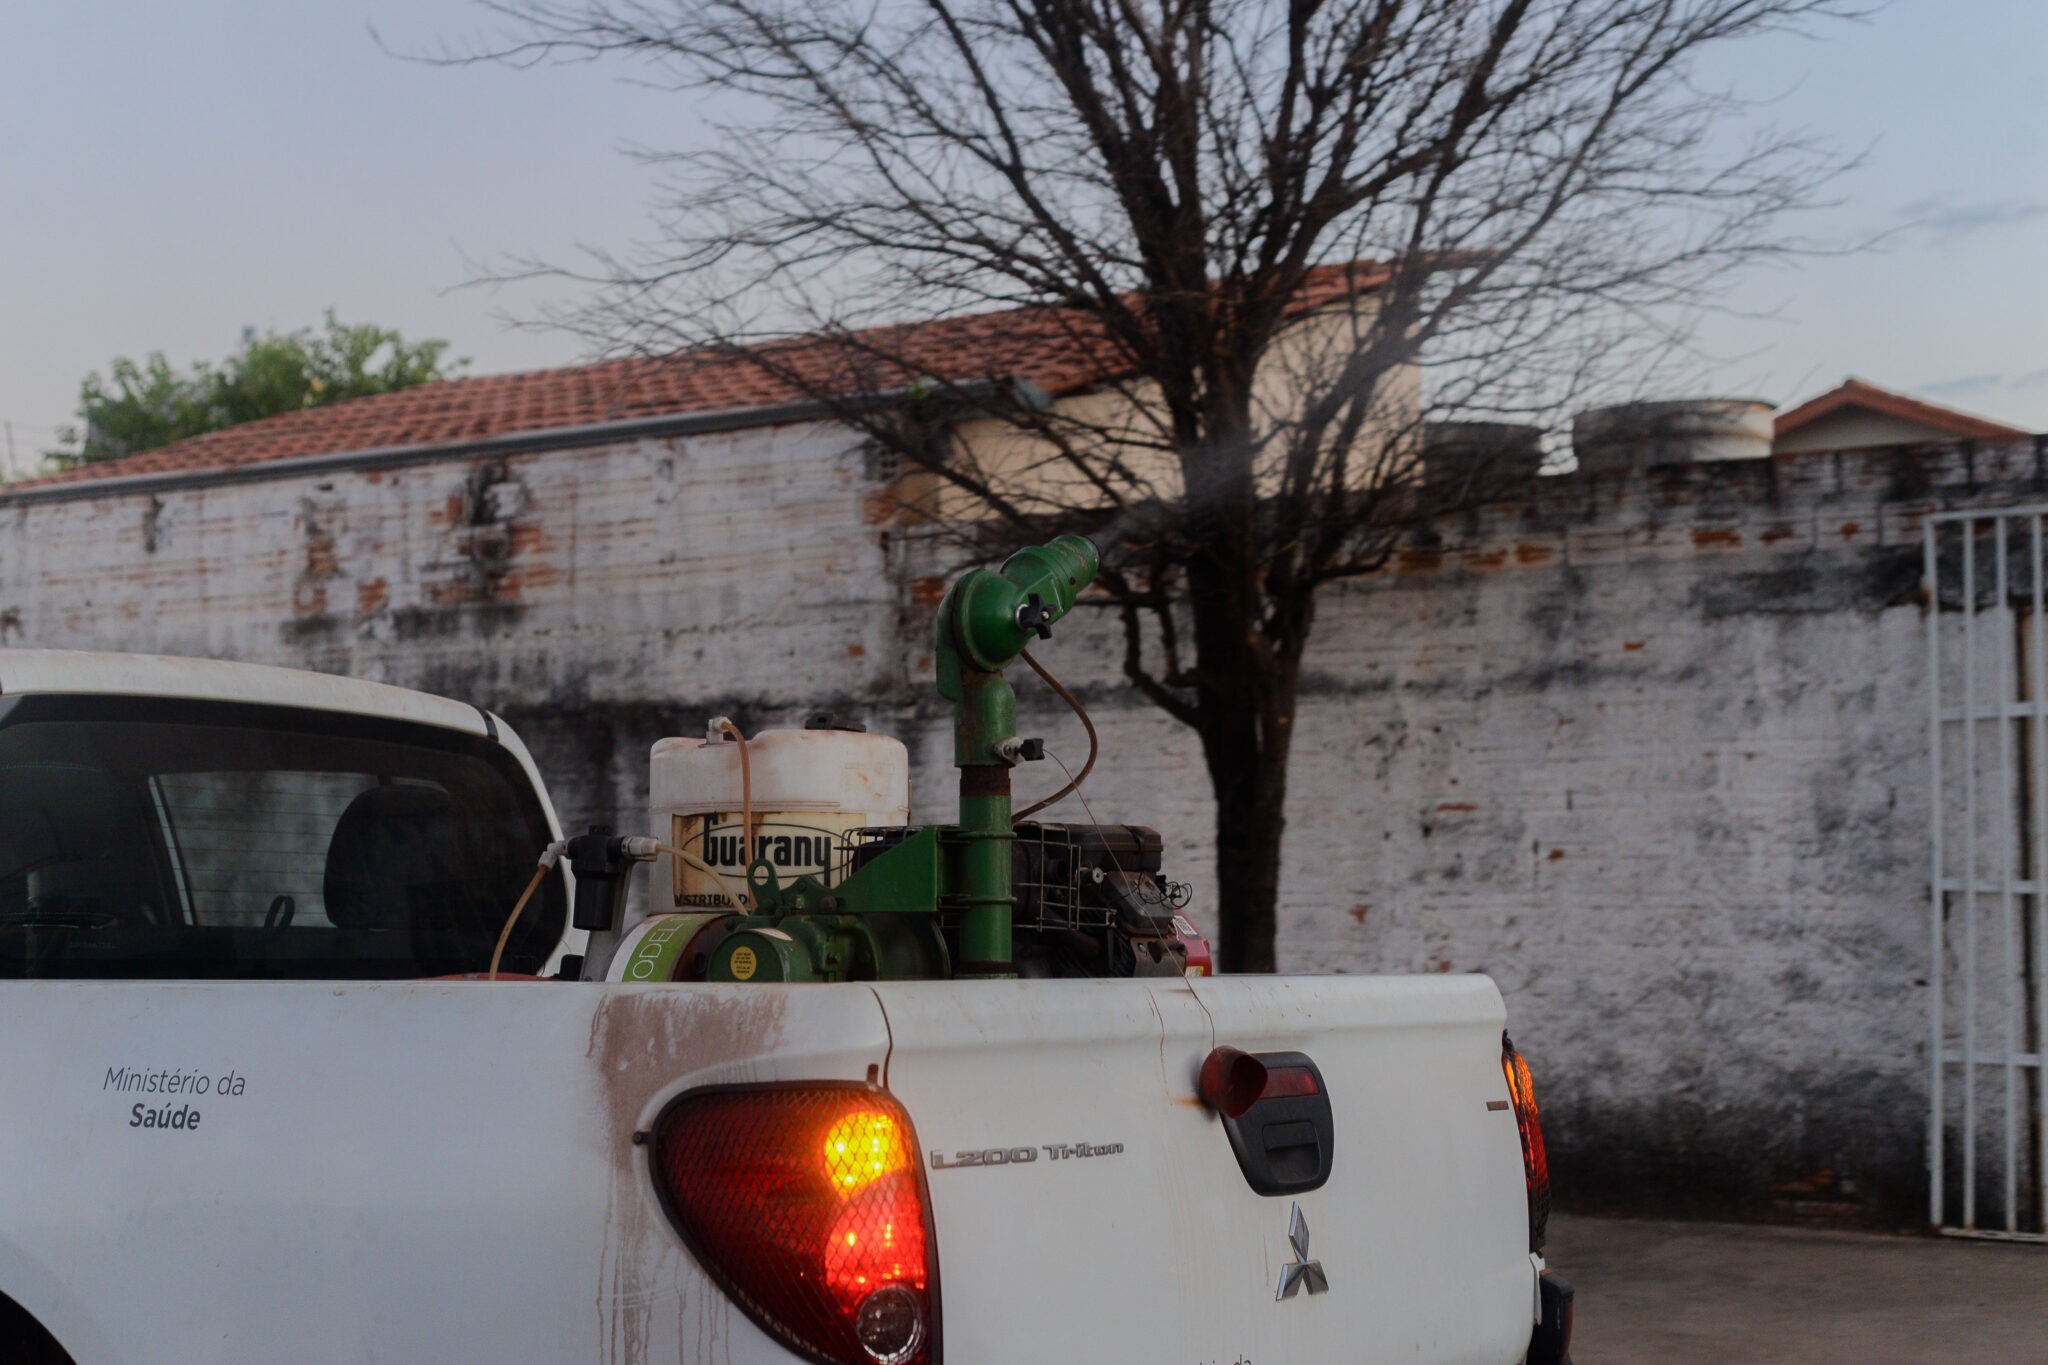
(1248, 651)
(1247, 758)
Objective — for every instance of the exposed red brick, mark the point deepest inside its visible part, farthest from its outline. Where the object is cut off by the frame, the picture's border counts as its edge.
(1716, 537)
(321, 561)
(928, 592)
(526, 576)
(881, 506)
(1416, 560)
(1526, 553)
(530, 537)
(1456, 806)
(372, 594)
(1631, 646)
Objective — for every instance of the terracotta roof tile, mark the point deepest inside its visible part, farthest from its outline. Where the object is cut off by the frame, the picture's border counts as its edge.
(1858, 393)
(1060, 352)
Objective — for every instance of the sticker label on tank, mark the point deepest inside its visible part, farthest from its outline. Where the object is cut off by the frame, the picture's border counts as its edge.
(815, 846)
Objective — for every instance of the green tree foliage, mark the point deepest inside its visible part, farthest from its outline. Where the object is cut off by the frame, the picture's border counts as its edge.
(142, 406)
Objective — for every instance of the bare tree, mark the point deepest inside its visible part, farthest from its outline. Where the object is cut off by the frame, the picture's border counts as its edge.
(1249, 223)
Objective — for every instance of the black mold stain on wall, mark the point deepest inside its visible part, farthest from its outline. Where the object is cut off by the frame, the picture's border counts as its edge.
(1844, 1149)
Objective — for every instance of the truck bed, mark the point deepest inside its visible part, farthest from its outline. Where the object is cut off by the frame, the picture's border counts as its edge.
(458, 1171)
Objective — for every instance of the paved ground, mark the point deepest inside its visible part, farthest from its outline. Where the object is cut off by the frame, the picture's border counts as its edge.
(1707, 1292)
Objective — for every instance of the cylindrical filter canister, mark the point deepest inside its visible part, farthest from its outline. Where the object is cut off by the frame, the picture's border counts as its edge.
(810, 788)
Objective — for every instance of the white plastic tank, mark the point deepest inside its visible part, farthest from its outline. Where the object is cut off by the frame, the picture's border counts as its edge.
(810, 787)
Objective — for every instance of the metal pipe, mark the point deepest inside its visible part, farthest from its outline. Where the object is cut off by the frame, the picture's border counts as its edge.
(2008, 928)
(1937, 1123)
(1970, 875)
(2039, 731)
(985, 622)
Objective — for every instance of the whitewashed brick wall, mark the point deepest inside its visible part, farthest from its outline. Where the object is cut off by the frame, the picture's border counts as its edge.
(1648, 750)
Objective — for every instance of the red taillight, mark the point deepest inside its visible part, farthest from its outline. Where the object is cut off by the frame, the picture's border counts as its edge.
(806, 1204)
(1286, 1082)
(1535, 1164)
(1231, 1082)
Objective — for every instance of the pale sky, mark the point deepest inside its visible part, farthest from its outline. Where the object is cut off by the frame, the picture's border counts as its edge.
(174, 173)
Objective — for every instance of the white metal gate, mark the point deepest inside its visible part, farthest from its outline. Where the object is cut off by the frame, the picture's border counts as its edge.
(1987, 647)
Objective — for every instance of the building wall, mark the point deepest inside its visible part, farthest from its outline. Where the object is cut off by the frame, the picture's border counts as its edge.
(1303, 366)
(1656, 764)
(1650, 750)
(599, 597)
(1853, 429)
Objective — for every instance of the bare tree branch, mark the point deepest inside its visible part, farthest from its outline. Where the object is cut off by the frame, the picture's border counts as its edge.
(1250, 249)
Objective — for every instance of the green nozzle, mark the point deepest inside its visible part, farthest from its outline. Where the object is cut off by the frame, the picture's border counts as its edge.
(989, 617)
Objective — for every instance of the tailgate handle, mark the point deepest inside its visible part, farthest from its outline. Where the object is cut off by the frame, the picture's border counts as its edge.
(1276, 1111)
(1294, 1151)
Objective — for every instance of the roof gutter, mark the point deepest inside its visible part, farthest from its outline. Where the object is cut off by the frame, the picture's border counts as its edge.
(982, 391)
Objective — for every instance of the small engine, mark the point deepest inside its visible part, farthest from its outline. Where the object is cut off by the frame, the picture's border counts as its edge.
(1091, 901)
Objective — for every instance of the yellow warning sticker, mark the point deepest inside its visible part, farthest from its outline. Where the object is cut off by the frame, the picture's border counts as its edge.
(743, 963)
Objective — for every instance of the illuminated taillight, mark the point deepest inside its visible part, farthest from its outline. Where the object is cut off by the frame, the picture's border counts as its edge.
(807, 1205)
(1535, 1164)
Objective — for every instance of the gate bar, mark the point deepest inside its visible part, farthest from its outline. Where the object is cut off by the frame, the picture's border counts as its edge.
(1970, 887)
(2008, 929)
(2039, 731)
(1938, 1122)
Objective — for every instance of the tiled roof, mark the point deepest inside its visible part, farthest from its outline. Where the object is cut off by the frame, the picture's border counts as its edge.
(1058, 351)
(1857, 393)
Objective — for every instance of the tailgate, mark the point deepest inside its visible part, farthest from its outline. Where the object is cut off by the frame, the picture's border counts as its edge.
(1089, 1208)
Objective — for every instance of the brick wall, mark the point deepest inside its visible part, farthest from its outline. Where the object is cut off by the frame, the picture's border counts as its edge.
(1651, 751)
(1648, 749)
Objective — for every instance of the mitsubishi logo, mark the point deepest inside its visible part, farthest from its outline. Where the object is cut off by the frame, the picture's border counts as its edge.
(1301, 1270)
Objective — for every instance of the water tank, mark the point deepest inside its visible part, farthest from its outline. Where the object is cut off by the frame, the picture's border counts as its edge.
(810, 787)
(1681, 431)
(1486, 453)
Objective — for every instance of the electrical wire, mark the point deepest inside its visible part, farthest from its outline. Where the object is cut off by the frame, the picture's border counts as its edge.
(1087, 809)
(1074, 782)
(1114, 861)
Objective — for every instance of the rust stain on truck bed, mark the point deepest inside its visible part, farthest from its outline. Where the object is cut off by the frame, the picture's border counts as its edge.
(642, 1040)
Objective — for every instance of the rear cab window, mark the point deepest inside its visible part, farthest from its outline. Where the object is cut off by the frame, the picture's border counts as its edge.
(145, 837)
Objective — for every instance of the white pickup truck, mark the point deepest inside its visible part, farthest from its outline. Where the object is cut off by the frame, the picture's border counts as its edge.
(262, 1105)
